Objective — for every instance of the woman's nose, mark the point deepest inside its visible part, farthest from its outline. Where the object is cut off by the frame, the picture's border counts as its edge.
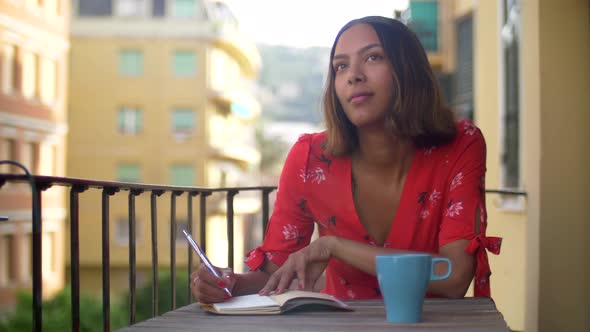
(355, 76)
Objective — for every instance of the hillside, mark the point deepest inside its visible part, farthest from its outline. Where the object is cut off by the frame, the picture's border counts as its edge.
(291, 83)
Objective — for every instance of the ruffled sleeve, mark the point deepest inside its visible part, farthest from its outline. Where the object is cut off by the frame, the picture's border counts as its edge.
(465, 216)
(291, 224)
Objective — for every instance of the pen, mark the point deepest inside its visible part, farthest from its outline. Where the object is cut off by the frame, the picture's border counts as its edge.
(204, 258)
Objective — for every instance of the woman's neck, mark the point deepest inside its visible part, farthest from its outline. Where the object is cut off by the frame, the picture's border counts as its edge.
(380, 150)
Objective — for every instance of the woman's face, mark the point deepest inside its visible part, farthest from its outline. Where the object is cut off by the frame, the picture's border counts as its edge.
(363, 76)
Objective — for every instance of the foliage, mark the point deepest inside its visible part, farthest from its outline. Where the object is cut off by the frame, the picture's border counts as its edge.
(305, 68)
(272, 150)
(56, 314)
(143, 295)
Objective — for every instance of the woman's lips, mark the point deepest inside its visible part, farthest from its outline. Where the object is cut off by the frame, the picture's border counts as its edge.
(360, 98)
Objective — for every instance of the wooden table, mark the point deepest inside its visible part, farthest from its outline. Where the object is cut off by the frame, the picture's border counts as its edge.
(469, 314)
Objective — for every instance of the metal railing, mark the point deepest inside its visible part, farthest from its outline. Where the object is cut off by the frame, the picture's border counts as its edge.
(79, 186)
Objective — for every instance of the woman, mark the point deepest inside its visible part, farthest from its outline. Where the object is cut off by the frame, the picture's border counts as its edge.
(393, 173)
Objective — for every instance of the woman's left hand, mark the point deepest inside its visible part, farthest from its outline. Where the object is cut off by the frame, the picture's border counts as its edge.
(307, 265)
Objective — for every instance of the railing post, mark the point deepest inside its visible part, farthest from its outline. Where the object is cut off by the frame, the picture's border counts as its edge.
(36, 189)
(154, 219)
(75, 254)
(265, 210)
(189, 225)
(173, 247)
(106, 259)
(132, 265)
(230, 227)
(203, 221)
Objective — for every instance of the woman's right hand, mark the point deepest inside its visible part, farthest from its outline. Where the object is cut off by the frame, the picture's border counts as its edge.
(207, 288)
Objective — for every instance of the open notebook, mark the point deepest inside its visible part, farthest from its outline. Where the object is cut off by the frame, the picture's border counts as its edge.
(274, 304)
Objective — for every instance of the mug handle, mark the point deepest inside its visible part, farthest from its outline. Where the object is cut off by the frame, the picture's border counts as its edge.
(435, 260)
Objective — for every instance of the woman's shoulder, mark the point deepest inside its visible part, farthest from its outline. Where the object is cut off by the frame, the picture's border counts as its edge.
(467, 133)
(311, 140)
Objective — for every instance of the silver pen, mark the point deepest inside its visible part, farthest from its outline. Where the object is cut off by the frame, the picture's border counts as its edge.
(204, 258)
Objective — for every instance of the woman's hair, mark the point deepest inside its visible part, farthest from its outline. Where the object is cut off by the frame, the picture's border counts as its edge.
(418, 113)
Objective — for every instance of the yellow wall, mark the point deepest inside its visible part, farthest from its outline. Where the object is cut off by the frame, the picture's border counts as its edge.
(556, 86)
(508, 272)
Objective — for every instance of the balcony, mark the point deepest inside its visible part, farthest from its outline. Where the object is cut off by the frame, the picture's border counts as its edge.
(79, 187)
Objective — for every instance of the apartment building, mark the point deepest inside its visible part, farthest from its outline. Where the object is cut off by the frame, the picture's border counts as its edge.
(33, 78)
(161, 92)
(519, 69)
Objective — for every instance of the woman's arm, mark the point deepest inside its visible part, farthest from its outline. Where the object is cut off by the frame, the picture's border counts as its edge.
(362, 256)
(251, 282)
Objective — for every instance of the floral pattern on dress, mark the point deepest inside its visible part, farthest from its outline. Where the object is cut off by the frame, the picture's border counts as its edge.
(351, 294)
(290, 232)
(457, 181)
(315, 175)
(454, 209)
(469, 128)
(435, 197)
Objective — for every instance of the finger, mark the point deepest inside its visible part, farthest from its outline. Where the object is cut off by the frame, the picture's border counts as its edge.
(300, 269)
(206, 275)
(229, 278)
(271, 283)
(286, 277)
(206, 292)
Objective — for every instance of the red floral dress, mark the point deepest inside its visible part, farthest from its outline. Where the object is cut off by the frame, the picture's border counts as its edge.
(441, 199)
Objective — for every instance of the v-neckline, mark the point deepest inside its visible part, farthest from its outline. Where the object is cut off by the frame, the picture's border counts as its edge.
(402, 199)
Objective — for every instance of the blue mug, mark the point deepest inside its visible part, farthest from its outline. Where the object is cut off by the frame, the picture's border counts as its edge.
(403, 279)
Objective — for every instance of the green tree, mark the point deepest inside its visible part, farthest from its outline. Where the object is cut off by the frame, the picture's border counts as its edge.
(272, 150)
(56, 313)
(143, 295)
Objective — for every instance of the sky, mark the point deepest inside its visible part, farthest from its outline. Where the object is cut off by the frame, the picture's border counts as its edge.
(304, 23)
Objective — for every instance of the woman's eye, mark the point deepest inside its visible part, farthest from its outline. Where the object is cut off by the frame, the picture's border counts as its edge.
(373, 57)
(339, 67)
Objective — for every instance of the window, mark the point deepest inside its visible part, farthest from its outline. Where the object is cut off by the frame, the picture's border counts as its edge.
(184, 8)
(159, 8)
(30, 75)
(130, 121)
(7, 152)
(94, 7)
(131, 62)
(183, 121)
(9, 69)
(122, 231)
(30, 156)
(463, 98)
(48, 81)
(128, 173)
(184, 63)
(130, 8)
(47, 159)
(182, 175)
(510, 128)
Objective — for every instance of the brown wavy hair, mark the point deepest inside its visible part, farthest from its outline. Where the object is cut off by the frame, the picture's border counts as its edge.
(418, 113)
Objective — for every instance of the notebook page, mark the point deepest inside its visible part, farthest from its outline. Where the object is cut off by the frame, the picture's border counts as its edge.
(246, 301)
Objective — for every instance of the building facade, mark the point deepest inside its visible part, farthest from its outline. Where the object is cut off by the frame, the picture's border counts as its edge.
(33, 70)
(520, 69)
(160, 93)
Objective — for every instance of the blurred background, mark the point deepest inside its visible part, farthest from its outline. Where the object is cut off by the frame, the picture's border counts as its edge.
(212, 93)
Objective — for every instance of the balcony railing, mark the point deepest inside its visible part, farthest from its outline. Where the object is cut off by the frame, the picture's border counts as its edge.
(78, 186)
